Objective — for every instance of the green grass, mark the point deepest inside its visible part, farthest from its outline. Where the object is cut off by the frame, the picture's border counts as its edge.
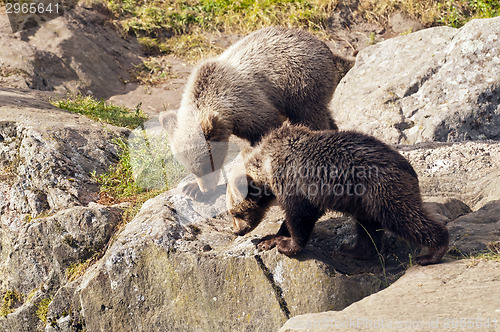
(179, 26)
(175, 17)
(454, 13)
(153, 72)
(491, 253)
(146, 168)
(457, 13)
(99, 110)
(190, 46)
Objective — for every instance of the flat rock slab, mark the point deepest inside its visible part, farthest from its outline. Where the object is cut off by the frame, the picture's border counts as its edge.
(454, 296)
(467, 171)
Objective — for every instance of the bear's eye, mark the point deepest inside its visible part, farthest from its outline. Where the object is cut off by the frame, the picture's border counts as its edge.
(236, 214)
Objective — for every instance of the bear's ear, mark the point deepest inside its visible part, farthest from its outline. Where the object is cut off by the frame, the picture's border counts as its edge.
(239, 187)
(246, 151)
(168, 121)
(213, 128)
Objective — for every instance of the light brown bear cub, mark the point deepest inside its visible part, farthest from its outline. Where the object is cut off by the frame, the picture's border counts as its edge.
(272, 75)
(310, 172)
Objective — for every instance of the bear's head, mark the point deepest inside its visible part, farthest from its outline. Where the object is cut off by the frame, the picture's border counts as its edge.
(200, 146)
(247, 201)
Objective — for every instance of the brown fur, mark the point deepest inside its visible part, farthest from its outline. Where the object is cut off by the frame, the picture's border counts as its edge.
(309, 173)
(272, 75)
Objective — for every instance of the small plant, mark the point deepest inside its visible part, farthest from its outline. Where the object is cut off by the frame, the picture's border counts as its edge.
(42, 309)
(380, 256)
(11, 299)
(491, 253)
(77, 269)
(119, 181)
(373, 39)
(102, 111)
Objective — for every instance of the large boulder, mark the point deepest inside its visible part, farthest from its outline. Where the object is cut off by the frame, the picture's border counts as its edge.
(48, 155)
(48, 223)
(170, 273)
(477, 231)
(454, 296)
(439, 84)
(46, 254)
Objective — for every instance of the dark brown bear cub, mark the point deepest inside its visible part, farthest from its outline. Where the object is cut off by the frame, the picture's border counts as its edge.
(310, 172)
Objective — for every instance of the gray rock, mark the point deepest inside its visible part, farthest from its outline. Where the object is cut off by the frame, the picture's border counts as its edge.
(439, 84)
(51, 245)
(40, 258)
(170, 274)
(476, 231)
(77, 52)
(467, 171)
(447, 209)
(47, 156)
(451, 296)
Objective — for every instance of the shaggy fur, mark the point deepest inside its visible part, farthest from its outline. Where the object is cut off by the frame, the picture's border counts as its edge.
(312, 172)
(271, 75)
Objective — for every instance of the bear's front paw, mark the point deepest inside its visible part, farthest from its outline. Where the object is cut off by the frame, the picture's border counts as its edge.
(192, 190)
(267, 243)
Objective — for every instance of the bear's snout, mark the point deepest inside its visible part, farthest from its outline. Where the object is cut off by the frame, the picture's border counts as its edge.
(240, 227)
(208, 182)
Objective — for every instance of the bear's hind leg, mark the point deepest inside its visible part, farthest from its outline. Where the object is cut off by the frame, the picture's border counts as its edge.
(436, 241)
(420, 229)
(369, 236)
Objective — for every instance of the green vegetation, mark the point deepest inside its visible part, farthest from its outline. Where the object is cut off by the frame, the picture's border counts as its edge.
(146, 165)
(176, 17)
(491, 253)
(453, 13)
(77, 269)
(42, 309)
(182, 27)
(190, 46)
(101, 111)
(146, 168)
(11, 299)
(179, 27)
(457, 13)
(153, 71)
